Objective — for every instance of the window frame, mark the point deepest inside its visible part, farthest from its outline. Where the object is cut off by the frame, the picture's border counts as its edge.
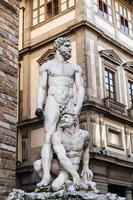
(130, 81)
(112, 67)
(38, 8)
(128, 68)
(46, 19)
(131, 138)
(109, 71)
(108, 14)
(103, 3)
(125, 18)
(111, 60)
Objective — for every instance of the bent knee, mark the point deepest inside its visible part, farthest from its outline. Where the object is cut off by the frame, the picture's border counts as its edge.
(48, 139)
(56, 185)
(37, 165)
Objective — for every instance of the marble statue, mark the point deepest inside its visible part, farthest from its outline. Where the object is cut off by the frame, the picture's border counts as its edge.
(55, 91)
(71, 145)
(62, 135)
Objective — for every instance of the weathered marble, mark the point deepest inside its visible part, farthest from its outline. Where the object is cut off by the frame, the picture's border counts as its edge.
(55, 89)
(71, 146)
(63, 136)
(61, 195)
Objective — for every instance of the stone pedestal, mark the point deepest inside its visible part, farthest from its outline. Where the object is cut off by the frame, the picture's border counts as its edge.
(62, 195)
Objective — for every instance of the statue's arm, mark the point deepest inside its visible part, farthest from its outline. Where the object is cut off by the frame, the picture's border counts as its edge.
(61, 154)
(79, 89)
(85, 155)
(42, 86)
(86, 173)
(41, 90)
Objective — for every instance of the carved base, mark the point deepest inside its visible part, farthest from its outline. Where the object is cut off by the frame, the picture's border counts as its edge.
(61, 195)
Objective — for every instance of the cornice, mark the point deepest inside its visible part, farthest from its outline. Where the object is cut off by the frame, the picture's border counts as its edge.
(90, 105)
(129, 1)
(87, 106)
(93, 156)
(112, 159)
(80, 25)
(29, 122)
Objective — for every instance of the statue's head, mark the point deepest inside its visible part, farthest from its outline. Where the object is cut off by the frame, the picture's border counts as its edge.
(63, 45)
(68, 119)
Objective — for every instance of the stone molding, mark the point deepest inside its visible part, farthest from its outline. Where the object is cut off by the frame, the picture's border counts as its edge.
(128, 66)
(48, 55)
(77, 26)
(111, 55)
(87, 106)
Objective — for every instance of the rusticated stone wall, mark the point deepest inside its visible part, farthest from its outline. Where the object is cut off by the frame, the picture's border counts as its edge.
(9, 18)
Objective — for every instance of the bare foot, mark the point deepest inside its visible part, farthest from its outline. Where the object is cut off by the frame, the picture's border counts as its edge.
(44, 182)
(76, 181)
(93, 187)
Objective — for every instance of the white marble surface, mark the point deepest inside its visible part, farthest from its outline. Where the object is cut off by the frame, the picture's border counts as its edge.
(55, 90)
(62, 194)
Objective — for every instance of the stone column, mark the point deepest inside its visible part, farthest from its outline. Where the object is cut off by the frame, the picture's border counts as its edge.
(129, 194)
(9, 14)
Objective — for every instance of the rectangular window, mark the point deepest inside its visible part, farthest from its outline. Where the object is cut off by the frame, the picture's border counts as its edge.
(38, 14)
(123, 18)
(104, 8)
(130, 92)
(109, 83)
(46, 9)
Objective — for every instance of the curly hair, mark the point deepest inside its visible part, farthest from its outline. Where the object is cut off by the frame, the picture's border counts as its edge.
(72, 114)
(60, 41)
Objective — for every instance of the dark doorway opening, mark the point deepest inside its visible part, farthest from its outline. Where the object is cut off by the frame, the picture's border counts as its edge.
(120, 190)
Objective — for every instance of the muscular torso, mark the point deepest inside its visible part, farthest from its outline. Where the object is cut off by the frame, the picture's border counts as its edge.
(73, 144)
(60, 81)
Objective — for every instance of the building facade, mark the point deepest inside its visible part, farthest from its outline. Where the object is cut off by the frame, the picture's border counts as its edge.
(9, 17)
(101, 33)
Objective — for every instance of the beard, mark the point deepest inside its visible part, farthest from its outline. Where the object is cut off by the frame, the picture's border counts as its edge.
(66, 54)
(64, 124)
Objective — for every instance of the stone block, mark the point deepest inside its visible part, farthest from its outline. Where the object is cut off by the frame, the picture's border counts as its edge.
(7, 155)
(7, 164)
(8, 148)
(4, 125)
(10, 119)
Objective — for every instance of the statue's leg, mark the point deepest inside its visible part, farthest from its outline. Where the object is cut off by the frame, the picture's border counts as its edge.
(51, 117)
(38, 167)
(93, 187)
(60, 180)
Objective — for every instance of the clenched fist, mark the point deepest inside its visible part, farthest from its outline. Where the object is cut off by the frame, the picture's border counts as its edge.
(39, 113)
